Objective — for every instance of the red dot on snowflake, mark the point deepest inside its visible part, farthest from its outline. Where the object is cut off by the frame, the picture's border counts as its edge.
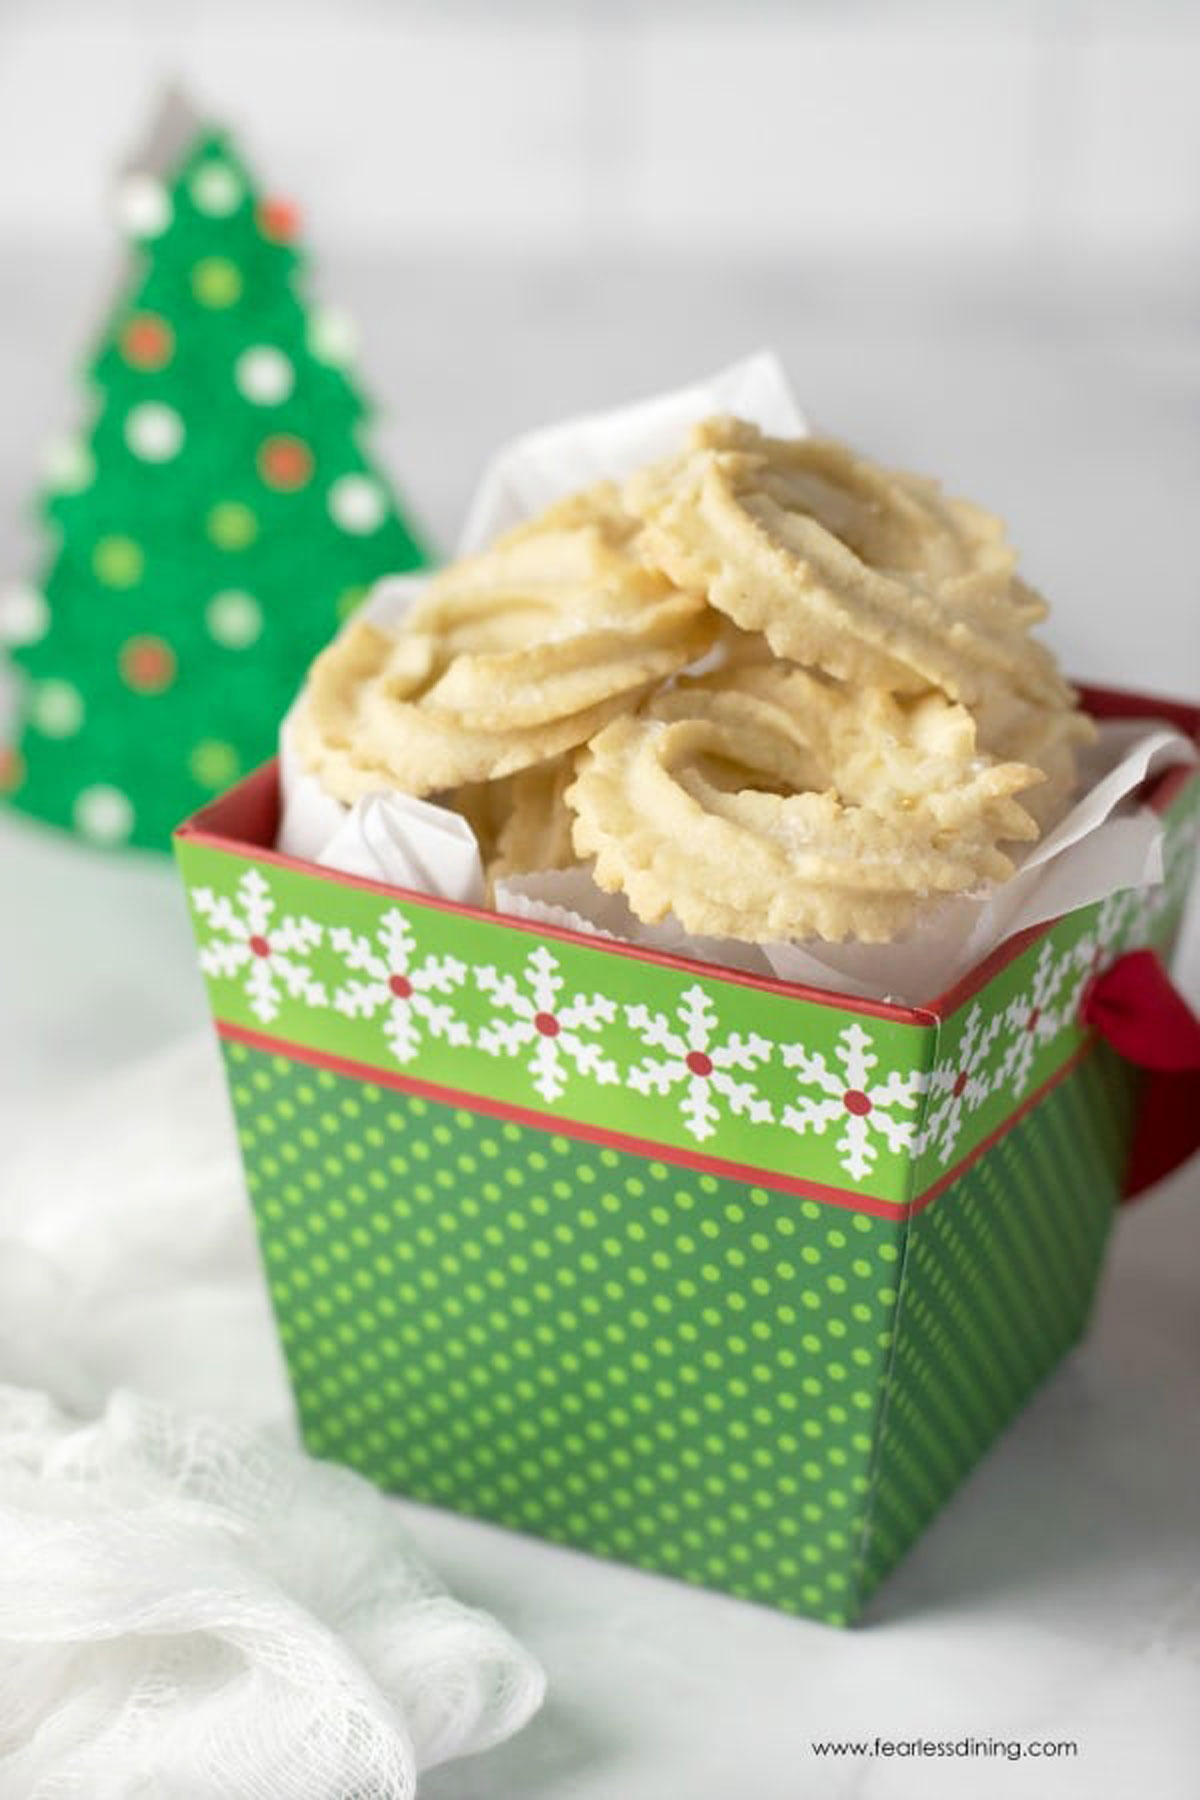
(856, 1102)
(279, 220)
(259, 946)
(960, 1084)
(698, 1063)
(285, 463)
(147, 342)
(547, 1024)
(1031, 1023)
(401, 986)
(147, 665)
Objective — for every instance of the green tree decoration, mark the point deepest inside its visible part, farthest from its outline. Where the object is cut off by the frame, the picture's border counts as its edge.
(211, 531)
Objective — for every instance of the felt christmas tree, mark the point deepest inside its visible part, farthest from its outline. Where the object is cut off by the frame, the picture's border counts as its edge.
(212, 528)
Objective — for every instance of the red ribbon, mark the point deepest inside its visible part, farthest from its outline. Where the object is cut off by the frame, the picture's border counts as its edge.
(1135, 1007)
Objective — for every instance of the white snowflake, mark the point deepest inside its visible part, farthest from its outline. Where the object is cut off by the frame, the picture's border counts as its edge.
(960, 1083)
(1115, 923)
(695, 1060)
(272, 958)
(390, 978)
(849, 1097)
(540, 1020)
(1036, 1017)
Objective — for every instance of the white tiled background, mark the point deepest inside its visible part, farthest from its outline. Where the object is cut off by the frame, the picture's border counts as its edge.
(971, 228)
(1044, 127)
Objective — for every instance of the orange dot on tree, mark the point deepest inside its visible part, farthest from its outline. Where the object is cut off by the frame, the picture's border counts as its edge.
(279, 220)
(12, 768)
(147, 665)
(285, 462)
(147, 341)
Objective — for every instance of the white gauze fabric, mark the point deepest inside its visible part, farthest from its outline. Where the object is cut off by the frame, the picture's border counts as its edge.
(188, 1610)
(185, 1609)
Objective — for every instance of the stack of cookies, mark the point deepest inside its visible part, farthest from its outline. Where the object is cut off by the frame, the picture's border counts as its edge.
(766, 687)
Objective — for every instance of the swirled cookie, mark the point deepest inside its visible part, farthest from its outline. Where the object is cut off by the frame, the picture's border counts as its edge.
(510, 658)
(768, 803)
(360, 725)
(873, 576)
(559, 615)
(767, 686)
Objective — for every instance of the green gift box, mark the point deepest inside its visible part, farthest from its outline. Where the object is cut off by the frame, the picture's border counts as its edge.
(726, 1277)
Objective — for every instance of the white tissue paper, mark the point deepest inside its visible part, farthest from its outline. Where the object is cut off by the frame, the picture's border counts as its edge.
(535, 470)
(187, 1610)
(1107, 842)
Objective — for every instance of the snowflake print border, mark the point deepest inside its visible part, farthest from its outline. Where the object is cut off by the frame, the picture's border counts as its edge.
(269, 959)
(1035, 1017)
(698, 1060)
(559, 1034)
(960, 1084)
(866, 1111)
(389, 977)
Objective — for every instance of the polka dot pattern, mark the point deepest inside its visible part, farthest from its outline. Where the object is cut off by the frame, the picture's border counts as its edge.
(234, 619)
(24, 614)
(56, 708)
(119, 562)
(357, 504)
(333, 337)
(214, 764)
(216, 189)
(285, 463)
(147, 664)
(147, 342)
(998, 1283)
(69, 466)
(143, 206)
(217, 282)
(264, 375)
(231, 525)
(153, 492)
(279, 220)
(12, 769)
(104, 815)
(661, 1366)
(154, 432)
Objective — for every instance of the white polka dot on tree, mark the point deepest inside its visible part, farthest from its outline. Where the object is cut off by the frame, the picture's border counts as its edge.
(154, 432)
(333, 337)
(24, 614)
(357, 504)
(143, 206)
(56, 709)
(69, 465)
(216, 190)
(234, 619)
(264, 375)
(104, 814)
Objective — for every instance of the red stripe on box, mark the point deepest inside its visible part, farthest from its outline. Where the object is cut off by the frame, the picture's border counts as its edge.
(242, 823)
(570, 1128)
(1014, 1118)
(849, 1200)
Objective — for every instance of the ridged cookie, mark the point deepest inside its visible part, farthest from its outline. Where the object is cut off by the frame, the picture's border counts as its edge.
(873, 576)
(767, 804)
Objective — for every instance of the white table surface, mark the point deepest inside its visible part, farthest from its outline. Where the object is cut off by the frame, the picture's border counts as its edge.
(1059, 1594)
